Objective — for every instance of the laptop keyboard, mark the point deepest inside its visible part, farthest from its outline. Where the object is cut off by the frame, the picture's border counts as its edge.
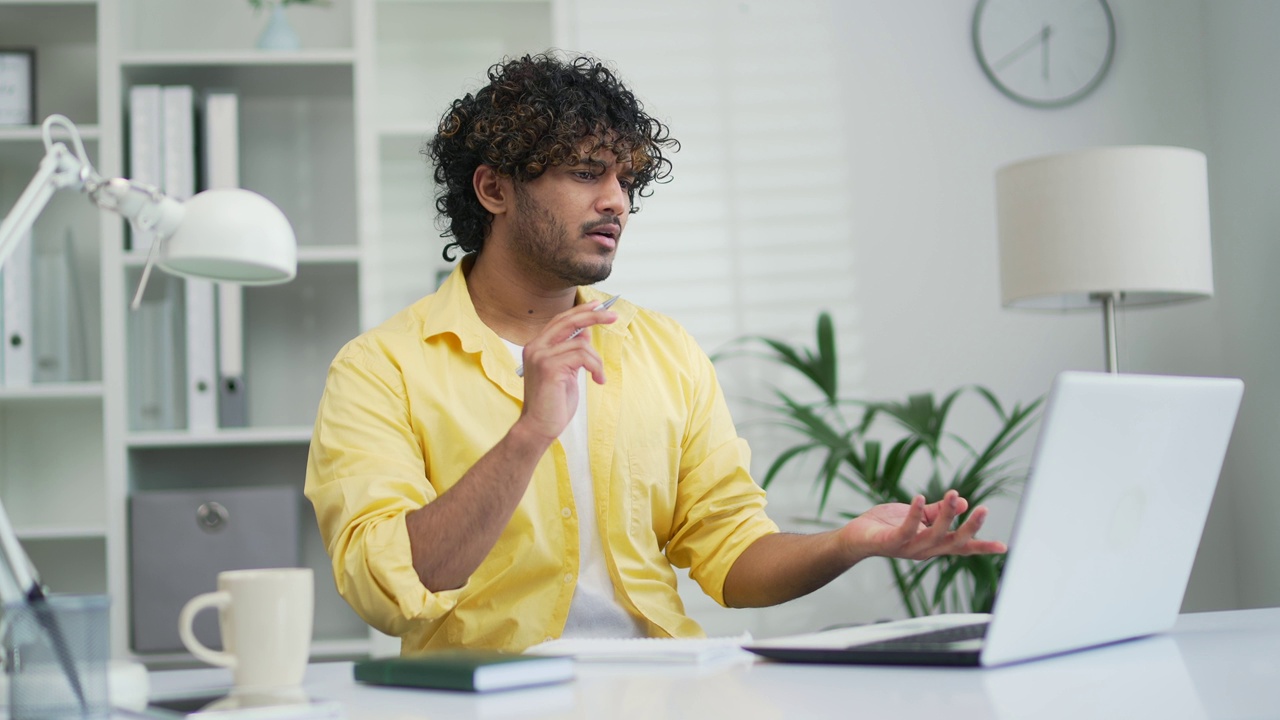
(931, 640)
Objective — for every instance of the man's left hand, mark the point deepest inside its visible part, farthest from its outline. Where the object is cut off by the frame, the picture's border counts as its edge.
(918, 531)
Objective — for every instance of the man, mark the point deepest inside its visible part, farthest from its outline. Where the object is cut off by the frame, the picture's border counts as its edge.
(474, 488)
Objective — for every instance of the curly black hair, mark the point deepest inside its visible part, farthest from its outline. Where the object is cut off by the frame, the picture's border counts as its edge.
(535, 113)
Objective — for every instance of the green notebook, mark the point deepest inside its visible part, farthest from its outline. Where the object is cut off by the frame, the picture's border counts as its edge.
(474, 670)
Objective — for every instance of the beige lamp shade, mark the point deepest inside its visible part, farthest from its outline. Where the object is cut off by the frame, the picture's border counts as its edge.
(1132, 221)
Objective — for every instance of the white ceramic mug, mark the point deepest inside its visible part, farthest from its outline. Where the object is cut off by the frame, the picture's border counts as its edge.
(265, 618)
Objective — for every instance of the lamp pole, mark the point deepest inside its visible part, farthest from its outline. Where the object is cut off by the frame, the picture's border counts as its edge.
(1109, 301)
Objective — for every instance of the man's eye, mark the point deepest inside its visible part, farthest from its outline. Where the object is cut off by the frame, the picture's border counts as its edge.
(584, 175)
(627, 184)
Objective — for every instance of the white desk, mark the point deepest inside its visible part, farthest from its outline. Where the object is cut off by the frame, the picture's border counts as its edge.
(1213, 665)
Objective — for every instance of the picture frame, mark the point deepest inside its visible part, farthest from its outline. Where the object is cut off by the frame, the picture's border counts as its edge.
(17, 87)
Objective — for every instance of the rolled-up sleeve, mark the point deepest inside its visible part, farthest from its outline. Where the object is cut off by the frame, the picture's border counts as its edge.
(365, 473)
(720, 510)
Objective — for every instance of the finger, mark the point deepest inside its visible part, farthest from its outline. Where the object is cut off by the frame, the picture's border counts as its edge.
(945, 511)
(570, 355)
(986, 547)
(966, 540)
(933, 511)
(577, 319)
(594, 365)
(910, 527)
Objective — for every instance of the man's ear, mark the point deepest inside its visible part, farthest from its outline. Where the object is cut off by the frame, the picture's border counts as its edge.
(493, 190)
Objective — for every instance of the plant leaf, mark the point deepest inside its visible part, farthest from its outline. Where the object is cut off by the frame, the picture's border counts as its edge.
(826, 365)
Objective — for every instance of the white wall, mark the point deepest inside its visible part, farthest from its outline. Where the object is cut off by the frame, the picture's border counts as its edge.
(914, 133)
(1244, 102)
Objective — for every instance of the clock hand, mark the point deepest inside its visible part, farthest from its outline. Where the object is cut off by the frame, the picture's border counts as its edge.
(1044, 36)
(1018, 52)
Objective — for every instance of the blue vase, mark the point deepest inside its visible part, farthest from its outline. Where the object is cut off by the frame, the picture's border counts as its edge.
(279, 34)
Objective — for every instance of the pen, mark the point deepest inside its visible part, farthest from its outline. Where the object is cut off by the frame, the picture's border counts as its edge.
(602, 306)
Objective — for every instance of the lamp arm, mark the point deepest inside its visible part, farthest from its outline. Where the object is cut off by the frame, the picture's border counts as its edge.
(148, 208)
(15, 560)
(143, 205)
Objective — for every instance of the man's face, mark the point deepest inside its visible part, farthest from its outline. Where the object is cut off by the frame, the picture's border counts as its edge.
(567, 223)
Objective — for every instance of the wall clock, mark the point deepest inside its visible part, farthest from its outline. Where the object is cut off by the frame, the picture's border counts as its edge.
(1044, 53)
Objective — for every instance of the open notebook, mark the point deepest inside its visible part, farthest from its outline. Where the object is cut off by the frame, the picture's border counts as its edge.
(698, 651)
(1122, 476)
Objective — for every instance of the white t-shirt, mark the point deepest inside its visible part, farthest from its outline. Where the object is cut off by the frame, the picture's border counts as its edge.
(595, 610)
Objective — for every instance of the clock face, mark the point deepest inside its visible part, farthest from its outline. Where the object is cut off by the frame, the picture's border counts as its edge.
(1044, 53)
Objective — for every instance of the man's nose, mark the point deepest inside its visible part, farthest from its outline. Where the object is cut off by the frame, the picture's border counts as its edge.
(614, 200)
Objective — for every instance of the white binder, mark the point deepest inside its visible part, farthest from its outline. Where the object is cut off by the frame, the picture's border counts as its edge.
(222, 170)
(146, 150)
(201, 338)
(202, 397)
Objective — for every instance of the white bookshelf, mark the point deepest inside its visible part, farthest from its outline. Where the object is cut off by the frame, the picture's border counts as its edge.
(332, 134)
(53, 467)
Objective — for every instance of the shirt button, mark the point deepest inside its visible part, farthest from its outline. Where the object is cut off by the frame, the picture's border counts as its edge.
(549, 639)
(565, 512)
(568, 577)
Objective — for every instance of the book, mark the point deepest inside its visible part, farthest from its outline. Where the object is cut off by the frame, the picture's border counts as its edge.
(16, 316)
(696, 651)
(470, 670)
(222, 170)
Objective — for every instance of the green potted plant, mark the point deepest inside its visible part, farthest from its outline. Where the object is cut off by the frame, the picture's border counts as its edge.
(920, 456)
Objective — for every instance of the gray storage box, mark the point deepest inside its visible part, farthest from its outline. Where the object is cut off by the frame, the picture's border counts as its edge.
(181, 540)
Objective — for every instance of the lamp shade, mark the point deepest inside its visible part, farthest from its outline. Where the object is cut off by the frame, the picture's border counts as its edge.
(1131, 221)
(232, 235)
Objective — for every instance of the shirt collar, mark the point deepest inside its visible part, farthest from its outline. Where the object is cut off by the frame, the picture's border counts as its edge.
(450, 310)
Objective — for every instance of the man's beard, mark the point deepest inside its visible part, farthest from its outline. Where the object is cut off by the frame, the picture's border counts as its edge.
(546, 247)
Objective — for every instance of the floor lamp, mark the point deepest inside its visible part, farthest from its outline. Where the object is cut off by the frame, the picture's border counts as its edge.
(1104, 227)
(229, 235)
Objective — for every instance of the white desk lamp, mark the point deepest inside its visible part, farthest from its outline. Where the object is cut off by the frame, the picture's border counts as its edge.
(229, 235)
(1105, 226)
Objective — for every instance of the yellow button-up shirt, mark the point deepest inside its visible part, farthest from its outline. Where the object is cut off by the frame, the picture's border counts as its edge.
(411, 405)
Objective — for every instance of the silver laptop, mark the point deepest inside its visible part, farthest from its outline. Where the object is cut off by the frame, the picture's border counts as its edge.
(1121, 480)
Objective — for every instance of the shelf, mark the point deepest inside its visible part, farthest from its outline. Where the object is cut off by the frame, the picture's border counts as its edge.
(21, 149)
(33, 133)
(307, 255)
(61, 533)
(269, 79)
(238, 58)
(89, 391)
(229, 437)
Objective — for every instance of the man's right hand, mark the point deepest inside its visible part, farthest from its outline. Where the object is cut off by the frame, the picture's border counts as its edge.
(551, 364)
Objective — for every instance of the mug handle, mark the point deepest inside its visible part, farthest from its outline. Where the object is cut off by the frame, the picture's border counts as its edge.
(188, 615)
